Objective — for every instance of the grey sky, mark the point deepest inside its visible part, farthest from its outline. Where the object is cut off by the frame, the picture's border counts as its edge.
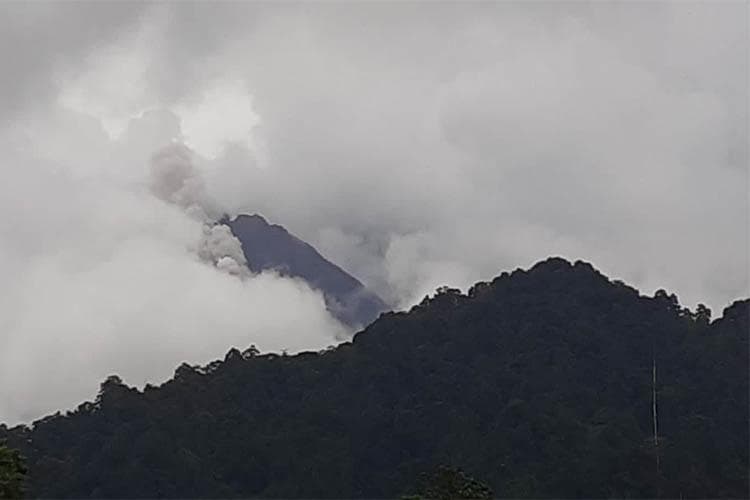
(414, 144)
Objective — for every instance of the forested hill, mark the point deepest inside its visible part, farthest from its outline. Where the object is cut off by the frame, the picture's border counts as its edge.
(538, 383)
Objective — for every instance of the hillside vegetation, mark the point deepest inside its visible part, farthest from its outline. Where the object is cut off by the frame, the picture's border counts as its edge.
(539, 383)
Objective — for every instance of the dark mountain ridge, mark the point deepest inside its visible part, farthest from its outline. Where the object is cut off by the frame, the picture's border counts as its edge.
(270, 246)
(539, 382)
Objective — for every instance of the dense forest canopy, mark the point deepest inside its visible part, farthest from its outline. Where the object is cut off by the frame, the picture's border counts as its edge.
(540, 383)
(12, 473)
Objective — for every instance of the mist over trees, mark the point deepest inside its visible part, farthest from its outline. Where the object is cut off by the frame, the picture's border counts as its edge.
(540, 383)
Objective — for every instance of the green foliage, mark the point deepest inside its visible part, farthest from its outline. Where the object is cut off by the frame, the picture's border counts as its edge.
(539, 382)
(448, 483)
(12, 473)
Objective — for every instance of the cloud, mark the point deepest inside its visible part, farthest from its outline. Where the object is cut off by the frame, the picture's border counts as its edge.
(102, 275)
(496, 135)
(224, 114)
(40, 45)
(413, 145)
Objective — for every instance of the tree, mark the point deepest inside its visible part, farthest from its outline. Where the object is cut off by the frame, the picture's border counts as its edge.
(12, 473)
(251, 352)
(448, 483)
(702, 314)
(543, 383)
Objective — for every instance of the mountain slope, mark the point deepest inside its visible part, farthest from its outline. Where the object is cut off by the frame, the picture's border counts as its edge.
(270, 246)
(539, 383)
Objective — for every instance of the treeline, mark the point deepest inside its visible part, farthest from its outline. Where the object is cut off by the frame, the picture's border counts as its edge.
(539, 383)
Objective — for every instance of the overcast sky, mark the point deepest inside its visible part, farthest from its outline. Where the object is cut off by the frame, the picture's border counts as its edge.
(415, 145)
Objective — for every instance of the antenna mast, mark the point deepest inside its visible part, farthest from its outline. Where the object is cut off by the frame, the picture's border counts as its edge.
(653, 405)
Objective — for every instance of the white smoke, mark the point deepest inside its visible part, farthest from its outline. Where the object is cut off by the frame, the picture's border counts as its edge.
(175, 179)
(221, 248)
